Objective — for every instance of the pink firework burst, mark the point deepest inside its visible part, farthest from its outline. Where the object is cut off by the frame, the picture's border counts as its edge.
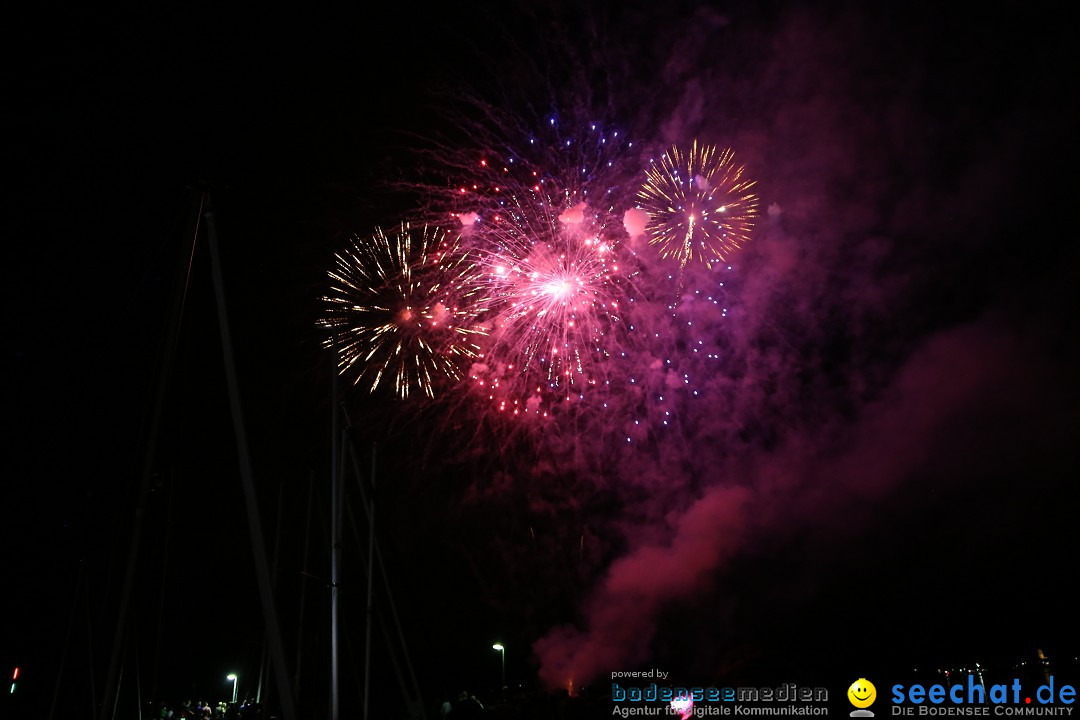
(544, 221)
(553, 289)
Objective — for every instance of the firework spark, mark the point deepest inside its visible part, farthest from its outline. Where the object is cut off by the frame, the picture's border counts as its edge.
(400, 310)
(543, 218)
(554, 298)
(700, 206)
(504, 163)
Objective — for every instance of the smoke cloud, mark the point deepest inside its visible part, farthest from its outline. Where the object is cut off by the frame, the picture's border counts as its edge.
(846, 362)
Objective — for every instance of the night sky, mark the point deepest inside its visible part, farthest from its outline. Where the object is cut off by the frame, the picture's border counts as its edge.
(883, 477)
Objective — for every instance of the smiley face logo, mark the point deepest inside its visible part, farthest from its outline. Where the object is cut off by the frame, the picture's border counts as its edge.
(862, 693)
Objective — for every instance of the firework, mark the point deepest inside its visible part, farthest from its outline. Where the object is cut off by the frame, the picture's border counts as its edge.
(553, 299)
(499, 163)
(400, 310)
(700, 206)
(543, 218)
(557, 315)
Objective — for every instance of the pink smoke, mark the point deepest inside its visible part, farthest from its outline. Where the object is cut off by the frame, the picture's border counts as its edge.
(811, 481)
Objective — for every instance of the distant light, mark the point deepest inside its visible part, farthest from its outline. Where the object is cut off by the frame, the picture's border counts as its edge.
(497, 646)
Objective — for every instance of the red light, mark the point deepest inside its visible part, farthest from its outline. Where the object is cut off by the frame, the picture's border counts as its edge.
(15, 675)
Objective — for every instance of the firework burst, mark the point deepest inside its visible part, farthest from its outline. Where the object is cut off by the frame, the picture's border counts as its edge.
(553, 300)
(545, 309)
(700, 206)
(400, 310)
(541, 212)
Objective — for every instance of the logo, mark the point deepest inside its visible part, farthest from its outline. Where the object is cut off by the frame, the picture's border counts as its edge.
(977, 698)
(862, 694)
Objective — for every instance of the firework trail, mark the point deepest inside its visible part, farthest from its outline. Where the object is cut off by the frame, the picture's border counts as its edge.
(400, 310)
(700, 207)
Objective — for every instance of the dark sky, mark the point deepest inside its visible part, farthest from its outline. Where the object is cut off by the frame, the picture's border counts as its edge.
(888, 481)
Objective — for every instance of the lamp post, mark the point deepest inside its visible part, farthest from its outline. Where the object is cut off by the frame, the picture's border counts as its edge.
(502, 652)
(232, 676)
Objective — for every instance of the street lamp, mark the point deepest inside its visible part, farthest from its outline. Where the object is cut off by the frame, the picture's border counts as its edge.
(502, 652)
(232, 676)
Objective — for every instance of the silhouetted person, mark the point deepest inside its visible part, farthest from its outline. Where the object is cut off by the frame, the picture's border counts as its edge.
(466, 707)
